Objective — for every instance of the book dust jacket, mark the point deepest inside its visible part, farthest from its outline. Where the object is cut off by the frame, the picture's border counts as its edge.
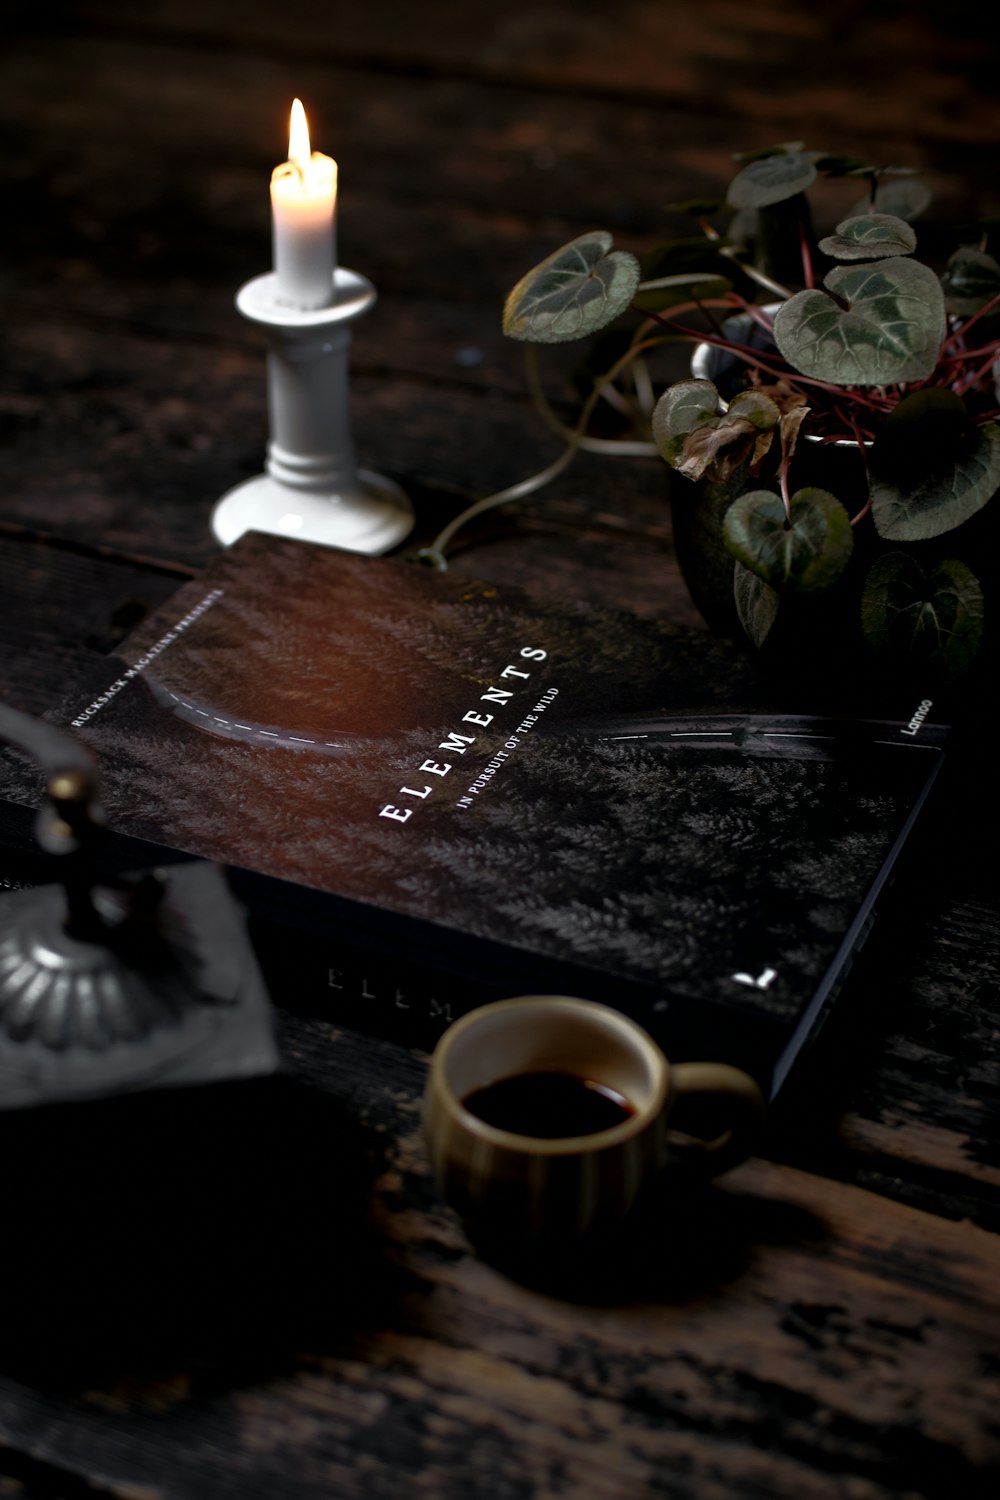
(516, 790)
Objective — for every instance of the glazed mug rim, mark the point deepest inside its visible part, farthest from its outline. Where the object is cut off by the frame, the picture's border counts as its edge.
(642, 1116)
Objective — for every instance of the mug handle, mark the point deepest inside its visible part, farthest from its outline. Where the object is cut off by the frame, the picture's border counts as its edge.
(744, 1106)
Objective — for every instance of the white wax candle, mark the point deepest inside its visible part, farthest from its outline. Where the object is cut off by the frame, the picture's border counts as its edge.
(303, 209)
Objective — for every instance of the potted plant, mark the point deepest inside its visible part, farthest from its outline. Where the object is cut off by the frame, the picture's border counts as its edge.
(839, 425)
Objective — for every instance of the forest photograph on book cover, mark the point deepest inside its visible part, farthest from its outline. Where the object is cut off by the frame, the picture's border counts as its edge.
(550, 779)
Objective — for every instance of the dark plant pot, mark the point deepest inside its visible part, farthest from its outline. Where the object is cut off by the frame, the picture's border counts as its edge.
(698, 511)
(819, 637)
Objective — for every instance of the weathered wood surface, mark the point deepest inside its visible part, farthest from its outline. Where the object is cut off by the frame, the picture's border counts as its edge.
(824, 1322)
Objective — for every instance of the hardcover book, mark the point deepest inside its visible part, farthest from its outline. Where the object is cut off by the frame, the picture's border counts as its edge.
(429, 791)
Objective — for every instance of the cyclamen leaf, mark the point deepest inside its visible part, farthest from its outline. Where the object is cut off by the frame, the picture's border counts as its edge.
(705, 444)
(764, 416)
(868, 237)
(572, 293)
(939, 500)
(905, 197)
(690, 431)
(771, 179)
(756, 604)
(890, 332)
(935, 617)
(805, 551)
(683, 406)
(970, 280)
(791, 426)
(757, 409)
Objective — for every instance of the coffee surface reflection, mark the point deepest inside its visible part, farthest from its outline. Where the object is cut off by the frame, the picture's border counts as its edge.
(549, 1105)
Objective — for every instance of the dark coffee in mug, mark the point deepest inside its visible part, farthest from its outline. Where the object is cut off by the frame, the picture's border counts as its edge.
(549, 1105)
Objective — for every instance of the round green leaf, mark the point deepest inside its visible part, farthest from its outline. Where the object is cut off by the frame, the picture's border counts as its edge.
(757, 409)
(804, 551)
(870, 237)
(692, 432)
(970, 280)
(890, 331)
(683, 406)
(927, 616)
(932, 468)
(905, 197)
(756, 603)
(771, 180)
(574, 292)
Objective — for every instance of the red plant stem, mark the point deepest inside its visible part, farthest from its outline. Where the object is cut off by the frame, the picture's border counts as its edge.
(807, 265)
(754, 357)
(786, 459)
(846, 433)
(694, 334)
(982, 313)
(876, 401)
(760, 317)
(974, 377)
(993, 347)
(707, 309)
(749, 355)
(963, 380)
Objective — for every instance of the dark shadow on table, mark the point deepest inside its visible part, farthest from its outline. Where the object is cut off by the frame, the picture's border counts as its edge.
(227, 1226)
(682, 1239)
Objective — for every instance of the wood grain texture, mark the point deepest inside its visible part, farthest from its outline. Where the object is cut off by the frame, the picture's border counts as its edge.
(764, 62)
(822, 1324)
(779, 1335)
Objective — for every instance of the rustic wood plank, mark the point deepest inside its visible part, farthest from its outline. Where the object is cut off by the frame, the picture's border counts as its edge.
(140, 457)
(902, 1094)
(823, 1322)
(787, 1336)
(199, 132)
(773, 62)
(61, 608)
(102, 256)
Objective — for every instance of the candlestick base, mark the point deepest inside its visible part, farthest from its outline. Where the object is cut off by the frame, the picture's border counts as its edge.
(312, 487)
(373, 517)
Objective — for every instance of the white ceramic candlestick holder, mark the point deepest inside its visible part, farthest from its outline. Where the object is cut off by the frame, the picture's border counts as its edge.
(312, 487)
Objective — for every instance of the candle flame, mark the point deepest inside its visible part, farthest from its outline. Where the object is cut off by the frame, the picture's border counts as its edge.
(299, 150)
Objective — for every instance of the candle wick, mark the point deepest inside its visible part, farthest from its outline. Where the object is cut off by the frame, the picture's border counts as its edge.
(291, 168)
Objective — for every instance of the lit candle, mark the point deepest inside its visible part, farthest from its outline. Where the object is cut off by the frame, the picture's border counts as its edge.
(303, 204)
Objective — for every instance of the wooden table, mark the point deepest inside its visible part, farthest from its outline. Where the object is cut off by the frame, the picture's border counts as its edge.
(823, 1323)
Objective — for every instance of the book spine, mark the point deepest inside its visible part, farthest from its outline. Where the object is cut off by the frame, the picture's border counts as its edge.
(308, 974)
(382, 995)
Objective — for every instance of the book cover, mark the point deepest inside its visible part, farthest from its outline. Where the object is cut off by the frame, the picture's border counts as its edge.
(509, 793)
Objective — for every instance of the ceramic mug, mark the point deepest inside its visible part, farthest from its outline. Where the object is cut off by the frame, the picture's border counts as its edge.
(567, 1182)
